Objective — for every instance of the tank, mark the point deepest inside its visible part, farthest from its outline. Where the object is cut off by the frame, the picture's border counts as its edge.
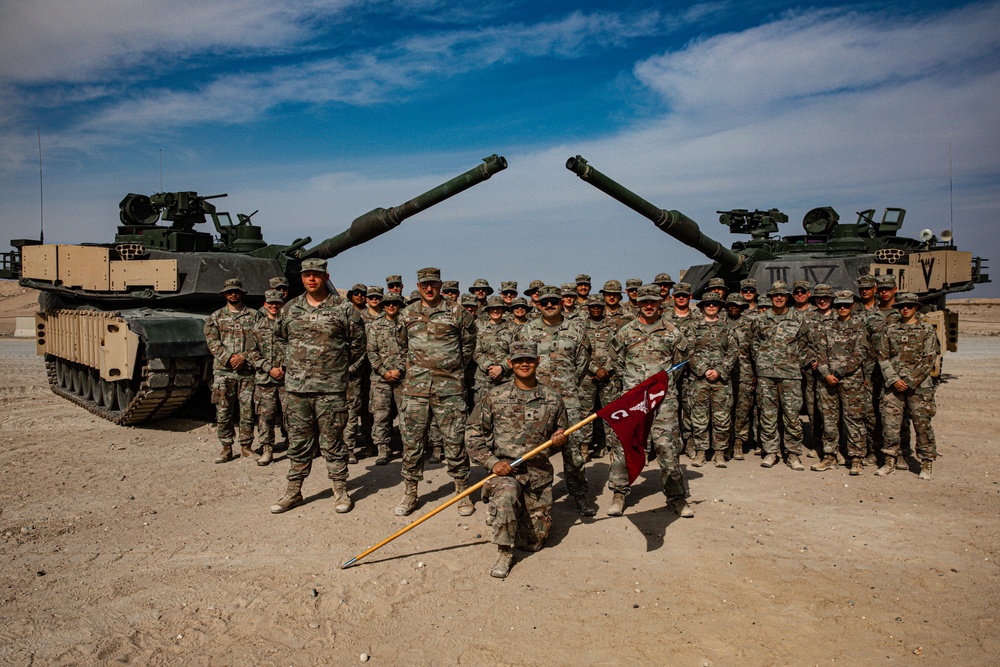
(829, 252)
(121, 325)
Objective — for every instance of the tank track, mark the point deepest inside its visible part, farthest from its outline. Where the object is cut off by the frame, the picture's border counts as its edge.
(165, 384)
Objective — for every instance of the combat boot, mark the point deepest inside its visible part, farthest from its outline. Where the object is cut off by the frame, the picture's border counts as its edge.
(465, 505)
(225, 455)
(810, 453)
(680, 507)
(437, 455)
(352, 458)
(267, 456)
(689, 449)
(901, 463)
(738, 451)
(870, 459)
(828, 462)
(769, 460)
(925, 469)
(888, 467)
(344, 502)
(292, 497)
(247, 451)
(383, 455)
(409, 501)
(856, 466)
(505, 558)
(794, 462)
(719, 459)
(699, 459)
(583, 506)
(617, 505)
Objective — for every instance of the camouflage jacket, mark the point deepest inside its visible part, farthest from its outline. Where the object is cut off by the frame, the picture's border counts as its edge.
(563, 352)
(842, 348)
(270, 351)
(321, 343)
(908, 352)
(741, 336)
(438, 342)
(601, 353)
(644, 349)
(228, 333)
(816, 325)
(671, 315)
(779, 346)
(712, 346)
(492, 349)
(509, 422)
(384, 353)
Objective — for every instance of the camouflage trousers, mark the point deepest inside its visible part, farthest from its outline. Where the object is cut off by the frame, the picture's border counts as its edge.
(447, 414)
(572, 453)
(595, 395)
(685, 409)
(233, 393)
(269, 401)
(520, 506)
(357, 411)
(742, 409)
(385, 401)
(665, 439)
(711, 409)
(921, 406)
(877, 438)
(780, 398)
(872, 414)
(843, 405)
(316, 420)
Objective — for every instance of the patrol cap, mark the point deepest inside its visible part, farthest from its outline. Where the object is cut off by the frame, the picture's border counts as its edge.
(469, 300)
(822, 290)
(273, 296)
(568, 289)
(801, 284)
(779, 287)
(495, 301)
(481, 283)
(414, 296)
(232, 285)
(649, 293)
(595, 301)
(393, 280)
(313, 264)
(663, 279)
(583, 279)
(682, 289)
(736, 299)
(392, 297)
(906, 299)
(633, 283)
(886, 280)
(450, 286)
(867, 281)
(429, 275)
(845, 296)
(549, 291)
(748, 283)
(533, 287)
(508, 286)
(519, 302)
(359, 287)
(278, 281)
(612, 287)
(375, 290)
(523, 349)
(764, 302)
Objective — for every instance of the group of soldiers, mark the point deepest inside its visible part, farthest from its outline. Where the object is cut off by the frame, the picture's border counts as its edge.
(485, 377)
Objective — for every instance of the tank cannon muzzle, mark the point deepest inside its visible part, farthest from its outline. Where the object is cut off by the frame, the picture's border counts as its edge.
(675, 223)
(380, 220)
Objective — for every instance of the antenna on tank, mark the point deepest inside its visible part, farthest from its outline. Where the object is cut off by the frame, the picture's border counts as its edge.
(951, 197)
(41, 196)
(161, 170)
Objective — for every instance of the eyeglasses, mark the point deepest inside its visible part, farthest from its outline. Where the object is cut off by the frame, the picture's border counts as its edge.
(800, 292)
(549, 302)
(748, 290)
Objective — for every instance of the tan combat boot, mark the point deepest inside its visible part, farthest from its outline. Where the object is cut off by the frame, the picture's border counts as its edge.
(769, 460)
(408, 503)
(352, 458)
(699, 459)
(901, 463)
(583, 506)
(738, 450)
(383, 455)
(870, 459)
(794, 462)
(292, 497)
(225, 455)
(344, 502)
(856, 466)
(719, 459)
(617, 505)
(505, 557)
(437, 455)
(828, 462)
(888, 467)
(925, 469)
(680, 507)
(267, 456)
(247, 451)
(465, 505)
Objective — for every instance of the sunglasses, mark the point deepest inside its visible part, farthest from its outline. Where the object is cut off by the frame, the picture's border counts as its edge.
(550, 302)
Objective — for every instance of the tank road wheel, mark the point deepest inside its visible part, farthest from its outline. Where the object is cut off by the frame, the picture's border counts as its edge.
(61, 373)
(123, 393)
(77, 375)
(108, 394)
(86, 386)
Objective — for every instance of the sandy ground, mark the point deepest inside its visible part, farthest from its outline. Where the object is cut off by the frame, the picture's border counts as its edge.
(124, 545)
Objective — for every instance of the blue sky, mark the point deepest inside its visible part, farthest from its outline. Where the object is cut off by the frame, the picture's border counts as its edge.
(316, 112)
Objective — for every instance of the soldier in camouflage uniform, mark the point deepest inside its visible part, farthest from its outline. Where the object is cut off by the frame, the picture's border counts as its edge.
(631, 307)
(493, 339)
(748, 290)
(564, 353)
(569, 309)
(613, 309)
(470, 304)
(778, 345)
(880, 318)
(511, 420)
(229, 334)
(532, 293)
(323, 337)
(269, 385)
(438, 339)
(359, 418)
(664, 282)
(646, 345)
(801, 294)
(601, 383)
(717, 285)
(281, 284)
(582, 293)
(907, 351)
(414, 298)
(394, 283)
(707, 381)
(743, 379)
(388, 368)
(481, 288)
(677, 312)
(820, 315)
(508, 290)
(450, 290)
(867, 311)
(519, 310)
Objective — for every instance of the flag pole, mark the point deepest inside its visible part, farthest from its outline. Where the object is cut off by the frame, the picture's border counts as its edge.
(540, 448)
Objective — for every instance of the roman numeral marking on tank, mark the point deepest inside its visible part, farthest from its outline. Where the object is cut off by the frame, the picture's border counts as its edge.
(927, 267)
(813, 271)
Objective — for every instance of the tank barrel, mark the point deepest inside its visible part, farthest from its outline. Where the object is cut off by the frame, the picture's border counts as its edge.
(675, 223)
(380, 220)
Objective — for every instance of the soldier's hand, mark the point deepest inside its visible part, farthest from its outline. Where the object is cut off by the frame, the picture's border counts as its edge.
(832, 380)
(392, 376)
(559, 438)
(502, 469)
(277, 373)
(601, 374)
(495, 372)
(711, 375)
(235, 361)
(900, 386)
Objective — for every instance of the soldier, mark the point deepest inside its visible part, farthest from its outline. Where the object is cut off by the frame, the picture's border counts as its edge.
(867, 311)
(373, 303)
(493, 339)
(613, 310)
(394, 283)
(763, 304)
(358, 295)
(269, 383)
(532, 293)
(748, 290)
(568, 295)
(511, 420)
(470, 304)
(843, 348)
(878, 319)
(717, 285)
(359, 417)
(744, 381)
(800, 296)
(678, 312)
(323, 338)
(907, 351)
(582, 291)
(665, 282)
(778, 345)
(279, 283)
(601, 383)
(866, 292)
(388, 368)
(681, 303)
(413, 298)
(821, 300)
(710, 395)
(632, 286)
(646, 345)
(885, 289)
(519, 310)
(508, 290)
(564, 357)
(481, 288)
(450, 290)
(439, 340)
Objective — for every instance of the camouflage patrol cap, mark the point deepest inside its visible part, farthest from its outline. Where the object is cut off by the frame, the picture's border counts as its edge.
(582, 279)
(523, 349)
(495, 301)
(649, 293)
(885, 280)
(429, 275)
(867, 281)
(481, 283)
(278, 281)
(906, 299)
(844, 296)
(550, 291)
(764, 302)
(273, 296)
(717, 283)
(633, 283)
(393, 280)
(612, 287)
(469, 300)
(682, 289)
(533, 287)
(359, 287)
(519, 302)
(232, 285)
(736, 299)
(568, 289)
(392, 297)
(663, 279)
(801, 284)
(748, 283)
(375, 290)
(414, 296)
(508, 286)
(595, 301)
(779, 287)
(450, 286)
(822, 290)
(313, 264)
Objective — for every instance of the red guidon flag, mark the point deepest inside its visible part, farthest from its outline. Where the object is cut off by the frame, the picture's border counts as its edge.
(631, 416)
